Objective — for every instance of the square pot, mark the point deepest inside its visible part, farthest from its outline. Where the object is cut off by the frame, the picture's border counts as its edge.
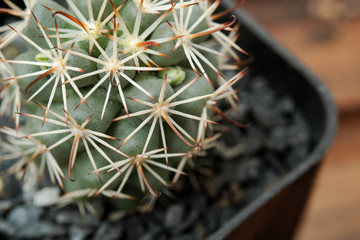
(275, 214)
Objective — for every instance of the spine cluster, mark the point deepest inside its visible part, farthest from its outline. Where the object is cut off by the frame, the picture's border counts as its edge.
(118, 97)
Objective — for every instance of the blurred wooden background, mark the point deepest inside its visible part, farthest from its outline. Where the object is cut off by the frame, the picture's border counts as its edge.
(325, 35)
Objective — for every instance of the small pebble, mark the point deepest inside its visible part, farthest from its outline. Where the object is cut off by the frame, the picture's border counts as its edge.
(40, 230)
(46, 196)
(174, 214)
(79, 233)
(108, 231)
(22, 216)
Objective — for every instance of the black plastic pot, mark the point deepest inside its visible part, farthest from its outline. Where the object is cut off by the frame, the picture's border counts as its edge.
(275, 214)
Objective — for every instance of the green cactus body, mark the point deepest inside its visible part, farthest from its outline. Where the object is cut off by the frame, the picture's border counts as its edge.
(44, 16)
(167, 48)
(129, 73)
(24, 83)
(116, 94)
(97, 6)
(150, 83)
(200, 87)
(130, 11)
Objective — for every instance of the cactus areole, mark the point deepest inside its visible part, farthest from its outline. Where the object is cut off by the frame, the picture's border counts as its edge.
(116, 96)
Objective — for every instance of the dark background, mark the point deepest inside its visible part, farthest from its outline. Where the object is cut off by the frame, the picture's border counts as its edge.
(324, 34)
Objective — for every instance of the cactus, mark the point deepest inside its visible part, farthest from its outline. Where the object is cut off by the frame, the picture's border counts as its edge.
(117, 96)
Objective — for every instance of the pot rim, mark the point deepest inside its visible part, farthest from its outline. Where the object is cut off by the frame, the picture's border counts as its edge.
(317, 153)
